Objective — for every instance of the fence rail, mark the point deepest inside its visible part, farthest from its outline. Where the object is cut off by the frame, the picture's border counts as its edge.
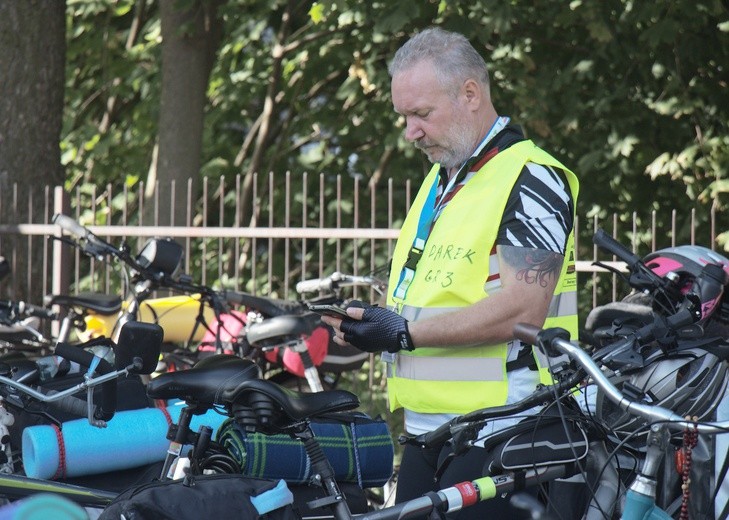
(263, 236)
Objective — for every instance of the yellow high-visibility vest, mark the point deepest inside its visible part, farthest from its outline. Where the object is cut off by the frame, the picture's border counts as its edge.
(453, 273)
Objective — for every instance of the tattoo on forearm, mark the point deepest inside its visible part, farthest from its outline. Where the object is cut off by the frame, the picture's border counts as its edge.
(533, 265)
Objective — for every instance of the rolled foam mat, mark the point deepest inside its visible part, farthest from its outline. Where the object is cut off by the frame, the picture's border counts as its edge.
(132, 438)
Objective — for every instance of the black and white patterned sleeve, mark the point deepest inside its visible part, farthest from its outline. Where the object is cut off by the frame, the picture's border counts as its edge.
(539, 212)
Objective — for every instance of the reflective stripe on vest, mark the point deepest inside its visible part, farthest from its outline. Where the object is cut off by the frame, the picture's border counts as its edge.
(563, 304)
(427, 368)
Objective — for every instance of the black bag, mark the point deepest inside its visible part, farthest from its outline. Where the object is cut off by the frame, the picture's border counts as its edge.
(537, 441)
(208, 496)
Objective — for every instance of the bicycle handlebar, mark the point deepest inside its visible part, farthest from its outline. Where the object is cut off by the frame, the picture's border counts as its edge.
(94, 245)
(544, 394)
(66, 400)
(334, 281)
(536, 336)
(17, 310)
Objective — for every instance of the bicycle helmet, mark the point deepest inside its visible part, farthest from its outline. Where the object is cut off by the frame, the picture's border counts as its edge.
(686, 261)
(689, 382)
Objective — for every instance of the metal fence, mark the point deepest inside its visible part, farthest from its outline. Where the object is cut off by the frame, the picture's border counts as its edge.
(265, 233)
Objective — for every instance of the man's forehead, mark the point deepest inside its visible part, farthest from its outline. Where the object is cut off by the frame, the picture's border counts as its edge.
(414, 89)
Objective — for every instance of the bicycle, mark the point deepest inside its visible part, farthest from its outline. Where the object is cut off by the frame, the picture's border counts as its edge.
(262, 405)
(640, 499)
(135, 353)
(281, 335)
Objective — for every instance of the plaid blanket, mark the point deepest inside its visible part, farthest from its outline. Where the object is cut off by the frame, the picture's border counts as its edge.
(359, 448)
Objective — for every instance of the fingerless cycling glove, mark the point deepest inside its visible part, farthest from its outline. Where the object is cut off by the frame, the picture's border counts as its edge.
(378, 330)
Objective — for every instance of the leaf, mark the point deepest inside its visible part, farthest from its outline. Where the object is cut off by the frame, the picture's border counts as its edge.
(316, 13)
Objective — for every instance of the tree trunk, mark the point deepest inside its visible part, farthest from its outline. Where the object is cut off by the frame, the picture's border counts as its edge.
(33, 43)
(190, 37)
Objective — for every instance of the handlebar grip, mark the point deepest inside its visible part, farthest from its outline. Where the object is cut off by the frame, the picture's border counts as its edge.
(106, 408)
(438, 437)
(526, 333)
(609, 244)
(541, 338)
(314, 285)
(70, 225)
(94, 245)
(26, 309)
(70, 405)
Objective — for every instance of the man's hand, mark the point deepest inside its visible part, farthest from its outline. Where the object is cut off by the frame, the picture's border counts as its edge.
(372, 329)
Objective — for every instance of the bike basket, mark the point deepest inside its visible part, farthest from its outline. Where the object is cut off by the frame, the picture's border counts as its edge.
(359, 448)
(207, 496)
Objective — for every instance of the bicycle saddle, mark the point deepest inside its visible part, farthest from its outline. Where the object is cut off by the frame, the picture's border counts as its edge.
(279, 329)
(261, 405)
(205, 382)
(97, 302)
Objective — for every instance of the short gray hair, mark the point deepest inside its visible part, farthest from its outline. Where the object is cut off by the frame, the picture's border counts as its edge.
(452, 55)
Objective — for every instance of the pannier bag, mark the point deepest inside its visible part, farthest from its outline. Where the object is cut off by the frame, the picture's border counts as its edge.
(359, 448)
(226, 497)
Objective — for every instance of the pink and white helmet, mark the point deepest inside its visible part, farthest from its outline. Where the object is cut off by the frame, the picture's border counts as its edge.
(685, 261)
(684, 264)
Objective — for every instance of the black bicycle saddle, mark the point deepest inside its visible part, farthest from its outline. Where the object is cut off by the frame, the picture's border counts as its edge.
(204, 383)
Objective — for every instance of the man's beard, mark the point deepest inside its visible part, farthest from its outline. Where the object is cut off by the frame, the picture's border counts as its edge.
(455, 151)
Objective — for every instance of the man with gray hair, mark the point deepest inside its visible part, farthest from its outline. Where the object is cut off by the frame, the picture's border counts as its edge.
(488, 243)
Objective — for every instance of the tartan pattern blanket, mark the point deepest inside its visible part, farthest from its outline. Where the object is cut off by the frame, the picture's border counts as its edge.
(359, 448)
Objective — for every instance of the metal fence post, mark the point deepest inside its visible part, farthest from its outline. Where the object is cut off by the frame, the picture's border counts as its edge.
(61, 265)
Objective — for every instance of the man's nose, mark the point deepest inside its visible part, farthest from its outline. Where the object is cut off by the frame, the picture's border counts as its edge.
(413, 131)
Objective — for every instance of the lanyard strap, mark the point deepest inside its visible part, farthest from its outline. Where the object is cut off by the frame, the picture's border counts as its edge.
(430, 210)
(416, 250)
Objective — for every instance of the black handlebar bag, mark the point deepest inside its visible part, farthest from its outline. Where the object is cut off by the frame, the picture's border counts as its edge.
(542, 440)
(537, 441)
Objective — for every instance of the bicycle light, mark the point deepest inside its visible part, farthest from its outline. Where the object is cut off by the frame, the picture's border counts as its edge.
(163, 256)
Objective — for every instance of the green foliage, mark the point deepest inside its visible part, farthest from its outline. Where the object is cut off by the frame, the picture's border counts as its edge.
(631, 95)
(112, 91)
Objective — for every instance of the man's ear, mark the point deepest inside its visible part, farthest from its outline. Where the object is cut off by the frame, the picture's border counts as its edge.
(473, 93)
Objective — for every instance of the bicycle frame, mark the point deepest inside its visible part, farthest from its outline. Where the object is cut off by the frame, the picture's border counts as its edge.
(17, 487)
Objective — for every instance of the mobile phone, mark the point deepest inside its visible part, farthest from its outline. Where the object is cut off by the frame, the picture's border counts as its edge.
(329, 310)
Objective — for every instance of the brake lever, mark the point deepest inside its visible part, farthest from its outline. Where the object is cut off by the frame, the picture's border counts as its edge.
(612, 269)
(464, 435)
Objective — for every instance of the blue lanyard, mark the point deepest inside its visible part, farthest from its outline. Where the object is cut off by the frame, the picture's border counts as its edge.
(429, 212)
